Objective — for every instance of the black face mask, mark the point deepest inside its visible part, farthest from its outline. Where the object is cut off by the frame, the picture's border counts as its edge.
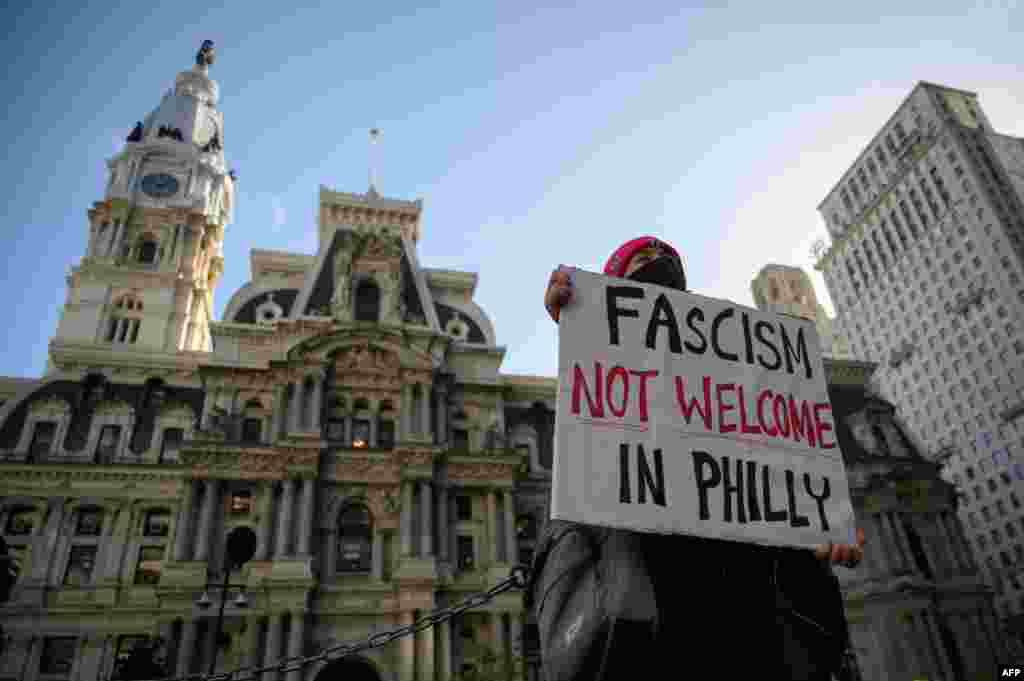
(664, 271)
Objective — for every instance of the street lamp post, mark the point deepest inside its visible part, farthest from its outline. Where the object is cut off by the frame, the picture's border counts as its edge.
(241, 547)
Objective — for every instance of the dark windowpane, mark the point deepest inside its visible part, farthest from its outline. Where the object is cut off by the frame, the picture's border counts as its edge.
(157, 524)
(147, 571)
(147, 252)
(242, 502)
(463, 507)
(354, 540)
(125, 645)
(107, 446)
(173, 438)
(336, 430)
(465, 552)
(90, 522)
(20, 521)
(526, 556)
(42, 439)
(461, 440)
(367, 302)
(80, 565)
(58, 655)
(360, 433)
(386, 434)
(252, 430)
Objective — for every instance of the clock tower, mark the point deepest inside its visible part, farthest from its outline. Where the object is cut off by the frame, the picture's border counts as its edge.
(154, 253)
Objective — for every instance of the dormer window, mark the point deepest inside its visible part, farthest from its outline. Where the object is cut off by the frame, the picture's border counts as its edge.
(367, 302)
(147, 252)
(457, 329)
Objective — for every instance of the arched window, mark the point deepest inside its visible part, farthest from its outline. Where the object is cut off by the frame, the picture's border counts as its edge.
(125, 320)
(367, 302)
(148, 249)
(252, 421)
(355, 539)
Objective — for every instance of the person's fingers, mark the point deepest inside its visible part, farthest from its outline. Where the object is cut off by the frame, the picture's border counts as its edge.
(823, 551)
(861, 538)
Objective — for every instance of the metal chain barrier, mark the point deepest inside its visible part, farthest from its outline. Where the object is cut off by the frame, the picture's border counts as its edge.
(517, 579)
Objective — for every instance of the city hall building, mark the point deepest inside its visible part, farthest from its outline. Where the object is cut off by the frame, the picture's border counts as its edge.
(348, 411)
(925, 269)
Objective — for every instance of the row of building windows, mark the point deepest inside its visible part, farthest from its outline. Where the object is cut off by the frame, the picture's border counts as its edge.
(107, 445)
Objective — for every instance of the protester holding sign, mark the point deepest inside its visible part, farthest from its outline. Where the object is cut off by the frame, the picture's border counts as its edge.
(607, 598)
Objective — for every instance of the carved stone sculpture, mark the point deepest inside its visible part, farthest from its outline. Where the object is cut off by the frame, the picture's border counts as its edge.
(206, 55)
(342, 301)
(213, 145)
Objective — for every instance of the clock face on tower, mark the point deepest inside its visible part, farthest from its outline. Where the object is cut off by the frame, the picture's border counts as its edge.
(160, 185)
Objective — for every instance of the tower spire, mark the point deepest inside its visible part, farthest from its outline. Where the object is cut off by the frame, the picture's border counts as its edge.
(374, 136)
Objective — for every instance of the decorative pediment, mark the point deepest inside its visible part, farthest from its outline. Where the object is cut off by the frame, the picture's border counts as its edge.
(177, 411)
(51, 406)
(114, 408)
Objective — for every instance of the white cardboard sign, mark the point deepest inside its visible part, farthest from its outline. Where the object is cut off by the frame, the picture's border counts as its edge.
(681, 414)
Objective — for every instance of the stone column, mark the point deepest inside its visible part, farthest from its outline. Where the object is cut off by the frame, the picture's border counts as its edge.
(901, 539)
(186, 646)
(404, 414)
(453, 544)
(442, 523)
(442, 415)
(881, 552)
(492, 525)
(895, 557)
(406, 650)
(276, 419)
(264, 533)
(119, 542)
(45, 541)
(377, 556)
(296, 638)
(425, 411)
(498, 622)
(427, 654)
(952, 551)
(318, 400)
(284, 519)
(272, 648)
(374, 420)
(917, 644)
(295, 408)
(444, 649)
(306, 518)
(515, 624)
(210, 499)
(427, 513)
(183, 536)
(944, 668)
(957, 535)
(511, 544)
(406, 518)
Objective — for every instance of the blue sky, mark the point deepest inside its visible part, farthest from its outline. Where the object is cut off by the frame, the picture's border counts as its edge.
(535, 134)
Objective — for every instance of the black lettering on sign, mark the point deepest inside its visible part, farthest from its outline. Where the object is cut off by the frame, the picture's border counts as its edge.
(647, 480)
(819, 500)
(612, 295)
(730, 490)
(702, 460)
(795, 519)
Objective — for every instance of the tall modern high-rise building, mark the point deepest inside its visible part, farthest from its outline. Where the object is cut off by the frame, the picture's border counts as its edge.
(925, 271)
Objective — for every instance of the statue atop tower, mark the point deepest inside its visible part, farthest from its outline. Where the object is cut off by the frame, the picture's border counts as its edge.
(206, 55)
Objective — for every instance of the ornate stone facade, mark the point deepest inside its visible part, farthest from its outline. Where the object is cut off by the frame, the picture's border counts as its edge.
(385, 465)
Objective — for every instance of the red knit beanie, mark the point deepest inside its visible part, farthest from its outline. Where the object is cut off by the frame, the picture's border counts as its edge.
(617, 264)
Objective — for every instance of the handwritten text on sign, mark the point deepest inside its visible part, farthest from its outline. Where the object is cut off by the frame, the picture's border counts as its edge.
(684, 414)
